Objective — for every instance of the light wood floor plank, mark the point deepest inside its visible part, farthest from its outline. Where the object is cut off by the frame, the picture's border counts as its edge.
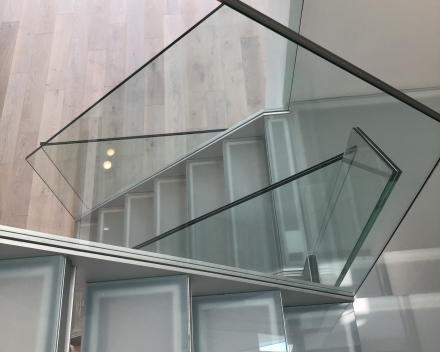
(98, 21)
(118, 11)
(40, 206)
(35, 89)
(154, 74)
(51, 114)
(12, 10)
(195, 75)
(95, 82)
(115, 63)
(25, 37)
(154, 12)
(8, 35)
(11, 115)
(172, 7)
(65, 6)
(58, 65)
(5, 179)
(76, 69)
(46, 17)
(135, 50)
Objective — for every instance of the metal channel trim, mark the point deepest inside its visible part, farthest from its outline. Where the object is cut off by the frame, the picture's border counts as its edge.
(68, 246)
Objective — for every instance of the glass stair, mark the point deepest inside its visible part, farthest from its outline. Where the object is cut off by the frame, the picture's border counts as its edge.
(283, 159)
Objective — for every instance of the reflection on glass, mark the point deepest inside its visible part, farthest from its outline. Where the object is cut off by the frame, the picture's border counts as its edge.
(239, 322)
(327, 327)
(365, 180)
(137, 315)
(245, 244)
(31, 290)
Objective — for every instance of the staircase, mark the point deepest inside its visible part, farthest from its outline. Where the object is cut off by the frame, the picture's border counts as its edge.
(153, 314)
(229, 169)
(284, 192)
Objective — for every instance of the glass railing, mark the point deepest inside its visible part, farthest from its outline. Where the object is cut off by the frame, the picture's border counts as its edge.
(345, 194)
(214, 76)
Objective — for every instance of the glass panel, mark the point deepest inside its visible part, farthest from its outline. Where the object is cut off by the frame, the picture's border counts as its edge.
(250, 240)
(137, 315)
(30, 303)
(216, 76)
(191, 88)
(57, 183)
(364, 182)
(239, 322)
(326, 327)
(98, 171)
(323, 113)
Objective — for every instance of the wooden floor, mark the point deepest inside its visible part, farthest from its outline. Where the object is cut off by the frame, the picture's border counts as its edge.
(57, 57)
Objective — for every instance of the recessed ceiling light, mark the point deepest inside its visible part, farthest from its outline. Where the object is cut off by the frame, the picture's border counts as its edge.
(110, 152)
(107, 165)
(106, 229)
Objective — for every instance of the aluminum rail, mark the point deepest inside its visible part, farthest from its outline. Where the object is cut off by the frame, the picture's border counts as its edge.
(293, 36)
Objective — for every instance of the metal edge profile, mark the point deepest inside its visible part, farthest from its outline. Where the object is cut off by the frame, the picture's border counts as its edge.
(395, 169)
(43, 242)
(327, 55)
(64, 324)
(190, 316)
(284, 322)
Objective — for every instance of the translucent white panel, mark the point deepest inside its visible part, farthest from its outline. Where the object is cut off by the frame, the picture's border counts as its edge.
(111, 226)
(327, 327)
(170, 211)
(137, 315)
(139, 218)
(206, 192)
(239, 322)
(254, 236)
(291, 229)
(30, 302)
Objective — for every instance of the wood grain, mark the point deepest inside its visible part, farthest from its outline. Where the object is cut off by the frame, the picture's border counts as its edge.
(10, 119)
(58, 60)
(65, 6)
(8, 35)
(25, 36)
(46, 16)
(12, 10)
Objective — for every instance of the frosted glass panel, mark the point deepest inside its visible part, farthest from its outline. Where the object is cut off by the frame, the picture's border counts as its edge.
(111, 226)
(30, 303)
(137, 315)
(326, 327)
(239, 322)
(139, 218)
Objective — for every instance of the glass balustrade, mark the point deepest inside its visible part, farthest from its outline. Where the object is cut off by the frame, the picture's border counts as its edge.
(264, 117)
(213, 77)
(345, 194)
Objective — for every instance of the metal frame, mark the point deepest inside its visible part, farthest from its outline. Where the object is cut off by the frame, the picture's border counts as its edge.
(73, 247)
(327, 55)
